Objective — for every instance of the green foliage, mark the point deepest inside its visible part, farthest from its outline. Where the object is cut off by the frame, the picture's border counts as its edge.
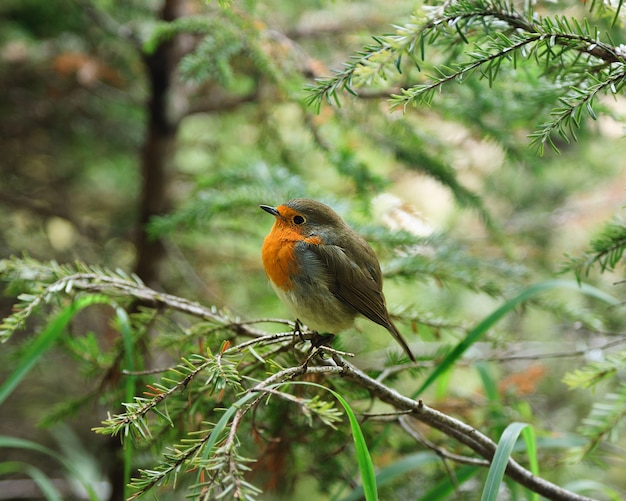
(43, 343)
(217, 51)
(573, 57)
(606, 251)
(164, 31)
(595, 372)
(500, 460)
(576, 60)
(606, 419)
(189, 386)
(480, 330)
(230, 191)
(162, 419)
(43, 482)
(229, 44)
(608, 415)
(216, 401)
(40, 283)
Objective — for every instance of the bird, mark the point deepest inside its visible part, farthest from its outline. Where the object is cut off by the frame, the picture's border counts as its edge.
(323, 270)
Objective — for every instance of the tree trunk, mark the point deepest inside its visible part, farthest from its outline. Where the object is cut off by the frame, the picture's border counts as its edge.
(157, 156)
(158, 151)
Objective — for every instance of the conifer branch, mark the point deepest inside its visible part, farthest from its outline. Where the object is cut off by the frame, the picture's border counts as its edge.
(212, 450)
(495, 33)
(606, 251)
(458, 430)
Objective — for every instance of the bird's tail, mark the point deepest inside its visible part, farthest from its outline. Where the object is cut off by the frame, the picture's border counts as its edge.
(398, 337)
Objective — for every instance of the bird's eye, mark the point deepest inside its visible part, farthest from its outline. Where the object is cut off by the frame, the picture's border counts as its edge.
(298, 219)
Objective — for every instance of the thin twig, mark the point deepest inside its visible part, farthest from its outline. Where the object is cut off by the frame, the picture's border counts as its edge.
(440, 451)
(459, 430)
(450, 426)
(557, 354)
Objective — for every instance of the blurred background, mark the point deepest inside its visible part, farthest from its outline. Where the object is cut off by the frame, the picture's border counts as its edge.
(142, 135)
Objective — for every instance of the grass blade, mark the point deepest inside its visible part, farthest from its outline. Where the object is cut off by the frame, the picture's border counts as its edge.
(488, 322)
(364, 460)
(366, 467)
(500, 460)
(43, 482)
(528, 434)
(44, 341)
(20, 443)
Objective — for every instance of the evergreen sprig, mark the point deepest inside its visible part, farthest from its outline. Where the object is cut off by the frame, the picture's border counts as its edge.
(572, 53)
(163, 31)
(214, 451)
(230, 190)
(605, 421)
(228, 43)
(218, 372)
(606, 251)
(596, 372)
(212, 57)
(607, 416)
(43, 283)
(219, 463)
(371, 63)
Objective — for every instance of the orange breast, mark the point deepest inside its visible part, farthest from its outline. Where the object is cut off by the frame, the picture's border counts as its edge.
(278, 254)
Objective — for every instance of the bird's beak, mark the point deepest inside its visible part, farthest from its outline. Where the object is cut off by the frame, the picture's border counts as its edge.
(271, 210)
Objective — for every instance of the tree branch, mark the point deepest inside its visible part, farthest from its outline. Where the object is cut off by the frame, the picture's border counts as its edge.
(440, 451)
(479, 443)
(335, 365)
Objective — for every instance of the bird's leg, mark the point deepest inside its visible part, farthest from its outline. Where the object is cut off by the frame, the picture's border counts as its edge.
(311, 353)
(318, 343)
(297, 329)
(322, 339)
(317, 339)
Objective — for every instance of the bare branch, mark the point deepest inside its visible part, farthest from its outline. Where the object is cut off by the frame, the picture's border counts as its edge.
(479, 443)
(459, 430)
(440, 451)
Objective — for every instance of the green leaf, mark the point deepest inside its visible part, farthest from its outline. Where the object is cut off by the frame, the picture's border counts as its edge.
(488, 322)
(20, 443)
(366, 467)
(44, 341)
(500, 460)
(364, 460)
(489, 384)
(528, 434)
(43, 482)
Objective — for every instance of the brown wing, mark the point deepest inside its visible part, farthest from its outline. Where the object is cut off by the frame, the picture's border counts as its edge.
(358, 286)
(353, 284)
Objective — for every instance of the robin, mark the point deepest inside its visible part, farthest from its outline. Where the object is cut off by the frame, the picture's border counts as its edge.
(323, 270)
